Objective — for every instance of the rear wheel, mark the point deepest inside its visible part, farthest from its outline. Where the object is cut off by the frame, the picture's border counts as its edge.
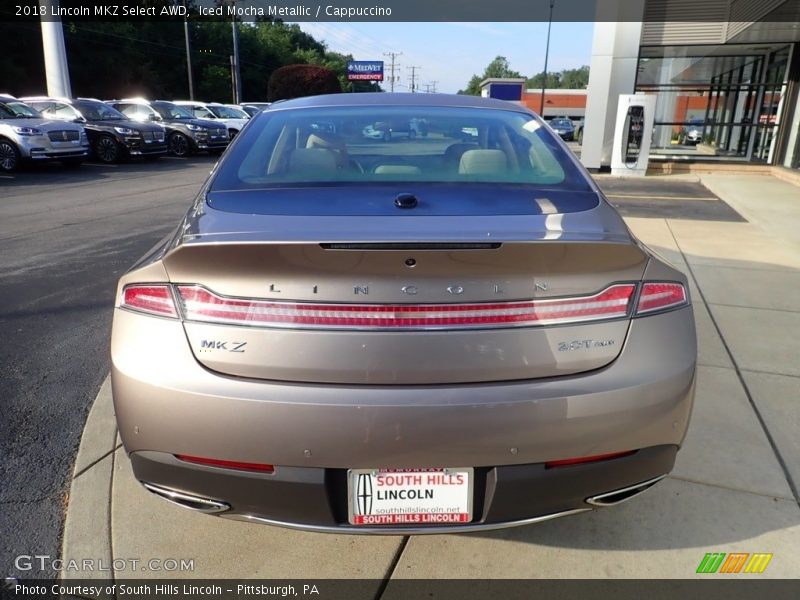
(9, 156)
(179, 145)
(106, 149)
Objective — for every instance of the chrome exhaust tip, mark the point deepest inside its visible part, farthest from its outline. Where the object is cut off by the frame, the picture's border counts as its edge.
(621, 495)
(188, 501)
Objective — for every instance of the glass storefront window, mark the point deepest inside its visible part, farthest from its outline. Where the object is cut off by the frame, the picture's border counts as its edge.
(714, 102)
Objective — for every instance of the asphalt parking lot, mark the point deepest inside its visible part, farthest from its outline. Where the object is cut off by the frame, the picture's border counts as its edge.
(66, 236)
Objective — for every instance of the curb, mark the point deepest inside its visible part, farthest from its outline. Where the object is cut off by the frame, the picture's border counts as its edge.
(87, 524)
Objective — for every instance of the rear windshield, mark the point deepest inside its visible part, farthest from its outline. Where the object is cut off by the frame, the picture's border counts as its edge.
(369, 145)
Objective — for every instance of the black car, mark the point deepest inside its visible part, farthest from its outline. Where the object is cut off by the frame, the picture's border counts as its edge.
(564, 128)
(112, 135)
(185, 134)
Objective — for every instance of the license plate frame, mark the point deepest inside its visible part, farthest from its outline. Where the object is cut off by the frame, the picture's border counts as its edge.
(362, 497)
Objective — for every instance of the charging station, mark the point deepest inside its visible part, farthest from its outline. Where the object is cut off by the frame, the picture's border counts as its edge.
(632, 135)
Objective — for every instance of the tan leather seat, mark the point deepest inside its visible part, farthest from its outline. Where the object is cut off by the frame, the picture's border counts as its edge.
(310, 162)
(483, 162)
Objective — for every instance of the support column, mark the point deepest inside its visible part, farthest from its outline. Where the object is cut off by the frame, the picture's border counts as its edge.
(55, 54)
(615, 54)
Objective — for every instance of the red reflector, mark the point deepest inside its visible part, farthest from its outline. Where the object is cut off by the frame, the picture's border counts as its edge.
(568, 462)
(154, 299)
(227, 464)
(657, 296)
(200, 304)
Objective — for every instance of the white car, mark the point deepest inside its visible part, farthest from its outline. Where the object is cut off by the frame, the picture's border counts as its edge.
(214, 111)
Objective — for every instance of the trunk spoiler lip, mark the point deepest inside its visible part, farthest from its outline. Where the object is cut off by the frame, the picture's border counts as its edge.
(205, 225)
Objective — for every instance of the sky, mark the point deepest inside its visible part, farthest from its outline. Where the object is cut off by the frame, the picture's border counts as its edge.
(451, 53)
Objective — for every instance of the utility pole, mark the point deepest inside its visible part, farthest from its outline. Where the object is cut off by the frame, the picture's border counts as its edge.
(427, 88)
(393, 56)
(188, 55)
(433, 86)
(414, 79)
(546, 54)
(236, 75)
(55, 53)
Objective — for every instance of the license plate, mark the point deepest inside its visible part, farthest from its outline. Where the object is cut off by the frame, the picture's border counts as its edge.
(409, 496)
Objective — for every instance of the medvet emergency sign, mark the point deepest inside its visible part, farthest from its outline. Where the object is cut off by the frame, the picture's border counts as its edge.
(365, 70)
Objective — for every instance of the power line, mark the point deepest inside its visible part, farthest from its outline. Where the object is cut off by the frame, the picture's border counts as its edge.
(393, 55)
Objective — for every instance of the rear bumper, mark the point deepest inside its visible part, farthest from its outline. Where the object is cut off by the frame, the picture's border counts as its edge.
(316, 499)
(167, 403)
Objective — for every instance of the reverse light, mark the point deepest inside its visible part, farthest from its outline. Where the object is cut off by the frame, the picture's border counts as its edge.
(152, 299)
(660, 295)
(227, 464)
(569, 462)
(200, 304)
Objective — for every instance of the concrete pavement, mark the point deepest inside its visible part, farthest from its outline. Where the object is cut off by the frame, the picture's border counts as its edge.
(734, 487)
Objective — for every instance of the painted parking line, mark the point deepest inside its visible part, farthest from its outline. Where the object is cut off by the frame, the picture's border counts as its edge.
(652, 197)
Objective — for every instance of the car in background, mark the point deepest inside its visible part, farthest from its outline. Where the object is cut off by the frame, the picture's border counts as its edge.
(112, 136)
(186, 134)
(240, 111)
(26, 135)
(251, 109)
(564, 128)
(257, 106)
(426, 337)
(408, 129)
(692, 133)
(213, 111)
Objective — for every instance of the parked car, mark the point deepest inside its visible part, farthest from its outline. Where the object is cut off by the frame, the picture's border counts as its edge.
(186, 135)
(252, 109)
(692, 132)
(25, 135)
(368, 340)
(112, 136)
(212, 111)
(240, 111)
(564, 128)
(392, 130)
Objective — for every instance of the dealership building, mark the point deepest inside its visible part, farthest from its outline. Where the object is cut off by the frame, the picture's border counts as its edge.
(726, 70)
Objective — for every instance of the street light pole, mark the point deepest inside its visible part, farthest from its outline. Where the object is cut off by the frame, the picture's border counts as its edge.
(188, 55)
(546, 56)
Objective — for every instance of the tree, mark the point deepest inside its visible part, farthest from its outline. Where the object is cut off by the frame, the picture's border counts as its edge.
(573, 79)
(498, 68)
(296, 81)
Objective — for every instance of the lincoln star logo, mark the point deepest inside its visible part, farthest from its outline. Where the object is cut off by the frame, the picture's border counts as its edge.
(364, 494)
(64, 135)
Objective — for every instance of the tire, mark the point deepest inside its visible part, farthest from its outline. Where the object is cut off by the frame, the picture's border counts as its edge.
(106, 149)
(232, 133)
(72, 163)
(9, 156)
(580, 137)
(179, 145)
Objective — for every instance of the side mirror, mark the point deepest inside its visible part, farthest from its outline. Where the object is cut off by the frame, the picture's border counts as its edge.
(153, 117)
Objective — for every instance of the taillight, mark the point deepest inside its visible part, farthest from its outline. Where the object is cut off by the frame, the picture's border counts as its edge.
(569, 462)
(660, 295)
(227, 464)
(152, 299)
(200, 304)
